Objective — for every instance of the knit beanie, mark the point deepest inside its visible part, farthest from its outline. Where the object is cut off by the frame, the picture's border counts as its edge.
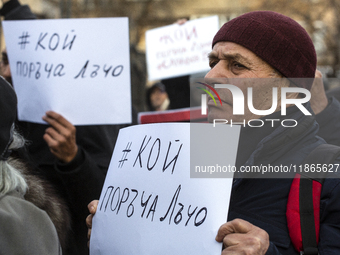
(8, 113)
(277, 39)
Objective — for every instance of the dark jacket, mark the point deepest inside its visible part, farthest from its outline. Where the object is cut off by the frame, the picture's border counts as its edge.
(329, 122)
(263, 202)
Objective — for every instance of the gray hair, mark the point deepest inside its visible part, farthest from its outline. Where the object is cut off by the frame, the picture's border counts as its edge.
(10, 176)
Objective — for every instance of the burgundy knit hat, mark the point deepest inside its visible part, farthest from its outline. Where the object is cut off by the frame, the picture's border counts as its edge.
(277, 39)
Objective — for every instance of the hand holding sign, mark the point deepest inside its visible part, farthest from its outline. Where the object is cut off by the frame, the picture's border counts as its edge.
(60, 137)
(240, 236)
(92, 209)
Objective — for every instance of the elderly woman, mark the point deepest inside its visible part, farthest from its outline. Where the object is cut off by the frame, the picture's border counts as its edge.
(25, 229)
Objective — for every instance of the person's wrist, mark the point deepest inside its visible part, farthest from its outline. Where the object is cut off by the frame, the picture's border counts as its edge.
(77, 161)
(71, 156)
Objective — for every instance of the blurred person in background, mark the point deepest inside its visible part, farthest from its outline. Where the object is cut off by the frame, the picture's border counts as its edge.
(157, 97)
(178, 88)
(4, 67)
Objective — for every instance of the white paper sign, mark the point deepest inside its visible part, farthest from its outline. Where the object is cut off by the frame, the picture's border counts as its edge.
(149, 204)
(177, 50)
(79, 68)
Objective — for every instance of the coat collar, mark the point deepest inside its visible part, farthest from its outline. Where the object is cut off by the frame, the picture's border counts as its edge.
(268, 144)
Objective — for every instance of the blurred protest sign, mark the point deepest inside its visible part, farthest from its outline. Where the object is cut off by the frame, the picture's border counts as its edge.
(177, 50)
(150, 205)
(79, 68)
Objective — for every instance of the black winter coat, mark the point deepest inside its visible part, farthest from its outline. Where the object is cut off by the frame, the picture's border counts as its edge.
(263, 202)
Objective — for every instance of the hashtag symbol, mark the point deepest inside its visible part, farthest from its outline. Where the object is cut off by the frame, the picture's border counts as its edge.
(124, 157)
(23, 40)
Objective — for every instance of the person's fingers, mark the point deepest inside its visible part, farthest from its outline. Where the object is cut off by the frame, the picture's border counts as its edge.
(51, 143)
(224, 230)
(51, 132)
(58, 122)
(55, 124)
(88, 237)
(234, 226)
(92, 206)
(231, 240)
(53, 140)
(241, 237)
(89, 221)
(59, 118)
(231, 251)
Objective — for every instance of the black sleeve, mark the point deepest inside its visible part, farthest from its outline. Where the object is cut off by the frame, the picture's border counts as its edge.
(83, 183)
(272, 250)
